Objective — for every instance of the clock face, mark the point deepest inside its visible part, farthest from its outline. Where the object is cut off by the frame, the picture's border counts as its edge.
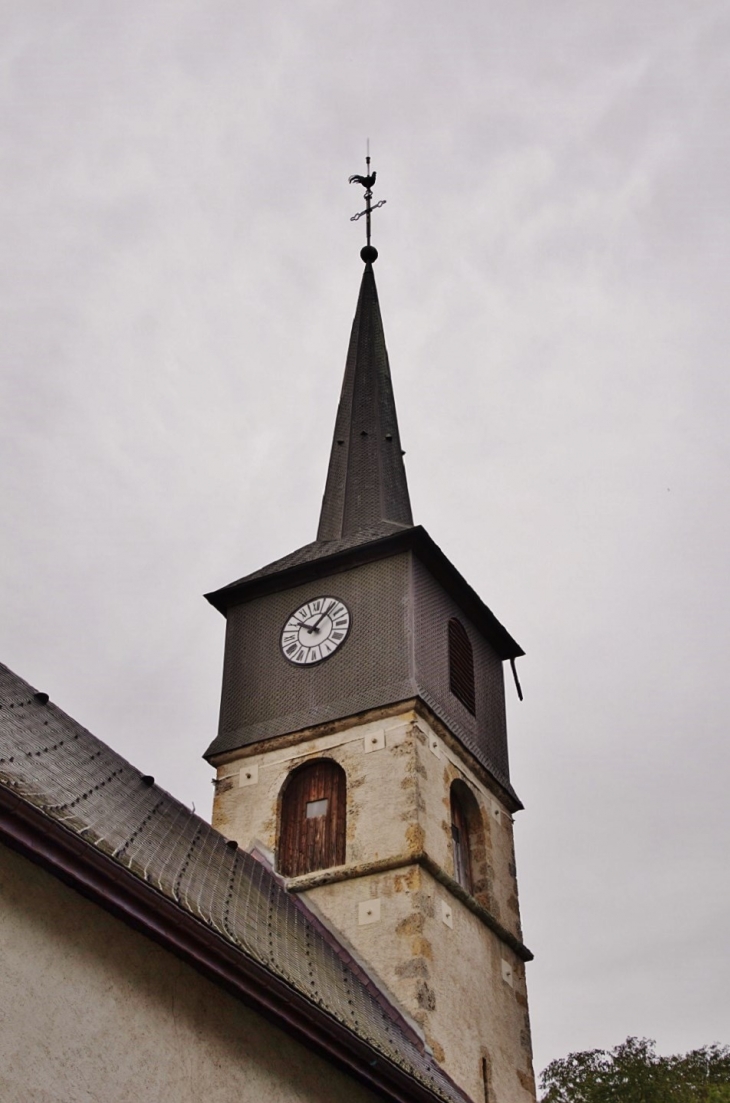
(315, 630)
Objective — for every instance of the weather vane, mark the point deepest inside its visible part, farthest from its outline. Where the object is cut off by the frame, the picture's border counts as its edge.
(369, 253)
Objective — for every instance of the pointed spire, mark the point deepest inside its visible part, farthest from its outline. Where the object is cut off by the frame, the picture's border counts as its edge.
(366, 491)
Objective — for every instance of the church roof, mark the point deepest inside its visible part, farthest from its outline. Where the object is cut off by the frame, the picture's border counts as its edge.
(72, 804)
(366, 484)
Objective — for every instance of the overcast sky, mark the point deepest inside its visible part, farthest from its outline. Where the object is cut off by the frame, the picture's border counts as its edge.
(177, 282)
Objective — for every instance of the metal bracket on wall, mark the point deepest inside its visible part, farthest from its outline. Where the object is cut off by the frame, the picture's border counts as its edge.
(518, 687)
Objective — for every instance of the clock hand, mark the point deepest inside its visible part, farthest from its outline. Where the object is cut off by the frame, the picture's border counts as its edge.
(324, 614)
(310, 627)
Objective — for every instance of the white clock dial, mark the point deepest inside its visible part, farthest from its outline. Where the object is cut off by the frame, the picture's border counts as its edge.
(315, 630)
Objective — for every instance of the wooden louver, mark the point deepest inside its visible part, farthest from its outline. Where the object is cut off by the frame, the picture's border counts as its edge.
(461, 665)
(460, 843)
(313, 813)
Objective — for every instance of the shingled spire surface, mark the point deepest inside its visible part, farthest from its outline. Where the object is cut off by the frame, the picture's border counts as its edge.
(366, 490)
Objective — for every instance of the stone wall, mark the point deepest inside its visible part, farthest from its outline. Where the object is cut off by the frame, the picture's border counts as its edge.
(394, 901)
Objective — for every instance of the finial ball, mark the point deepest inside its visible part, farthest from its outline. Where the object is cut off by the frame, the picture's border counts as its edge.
(369, 254)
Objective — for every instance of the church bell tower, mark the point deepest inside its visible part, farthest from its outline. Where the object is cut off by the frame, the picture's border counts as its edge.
(363, 742)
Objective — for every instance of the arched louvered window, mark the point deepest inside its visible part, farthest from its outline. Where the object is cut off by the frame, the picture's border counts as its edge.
(468, 842)
(461, 665)
(460, 842)
(313, 811)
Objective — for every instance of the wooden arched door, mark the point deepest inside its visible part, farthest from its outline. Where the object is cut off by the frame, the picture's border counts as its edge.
(313, 812)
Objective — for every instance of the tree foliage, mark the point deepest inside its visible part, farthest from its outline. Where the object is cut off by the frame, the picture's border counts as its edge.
(633, 1073)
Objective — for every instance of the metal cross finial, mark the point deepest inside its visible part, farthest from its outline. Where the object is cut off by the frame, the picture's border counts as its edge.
(369, 253)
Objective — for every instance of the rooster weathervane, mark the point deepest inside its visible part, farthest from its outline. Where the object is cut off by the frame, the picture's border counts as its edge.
(369, 253)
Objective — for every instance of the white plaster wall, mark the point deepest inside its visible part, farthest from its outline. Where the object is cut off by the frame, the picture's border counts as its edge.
(93, 1012)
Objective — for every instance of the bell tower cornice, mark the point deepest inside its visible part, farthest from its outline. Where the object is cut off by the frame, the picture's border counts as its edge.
(313, 562)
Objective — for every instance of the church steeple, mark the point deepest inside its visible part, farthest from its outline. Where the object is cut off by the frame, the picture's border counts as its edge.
(366, 490)
(363, 741)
